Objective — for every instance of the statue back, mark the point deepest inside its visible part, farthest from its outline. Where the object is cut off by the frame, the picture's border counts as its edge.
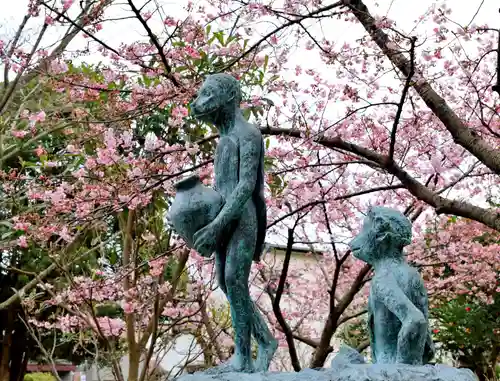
(260, 207)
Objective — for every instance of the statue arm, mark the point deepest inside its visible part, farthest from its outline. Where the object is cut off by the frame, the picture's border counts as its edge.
(371, 334)
(429, 349)
(249, 159)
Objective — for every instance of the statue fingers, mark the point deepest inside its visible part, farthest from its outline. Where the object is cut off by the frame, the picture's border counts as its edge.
(205, 250)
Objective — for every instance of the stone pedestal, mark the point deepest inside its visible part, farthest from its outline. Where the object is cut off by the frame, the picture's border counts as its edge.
(349, 372)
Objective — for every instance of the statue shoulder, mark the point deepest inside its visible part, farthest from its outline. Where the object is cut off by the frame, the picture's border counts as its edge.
(250, 132)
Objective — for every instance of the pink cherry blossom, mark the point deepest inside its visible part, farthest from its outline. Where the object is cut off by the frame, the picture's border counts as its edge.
(39, 151)
(22, 242)
(19, 134)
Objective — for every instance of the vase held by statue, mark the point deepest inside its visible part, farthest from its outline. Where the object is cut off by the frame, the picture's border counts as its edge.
(195, 206)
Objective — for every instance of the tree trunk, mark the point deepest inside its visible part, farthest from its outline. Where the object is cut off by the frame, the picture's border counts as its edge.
(133, 365)
(8, 327)
(19, 351)
(491, 371)
(14, 353)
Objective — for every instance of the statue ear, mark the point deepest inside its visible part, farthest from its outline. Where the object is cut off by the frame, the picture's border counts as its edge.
(406, 241)
(383, 236)
(231, 95)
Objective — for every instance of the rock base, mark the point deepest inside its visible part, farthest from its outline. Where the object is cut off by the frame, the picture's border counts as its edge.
(349, 372)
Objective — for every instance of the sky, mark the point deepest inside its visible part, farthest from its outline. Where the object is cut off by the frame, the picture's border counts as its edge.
(404, 12)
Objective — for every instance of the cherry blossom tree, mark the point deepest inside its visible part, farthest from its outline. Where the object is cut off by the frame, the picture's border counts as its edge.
(464, 292)
(390, 117)
(409, 117)
(93, 151)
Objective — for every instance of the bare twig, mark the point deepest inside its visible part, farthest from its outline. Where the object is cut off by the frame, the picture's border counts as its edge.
(403, 98)
(156, 43)
(276, 304)
(308, 205)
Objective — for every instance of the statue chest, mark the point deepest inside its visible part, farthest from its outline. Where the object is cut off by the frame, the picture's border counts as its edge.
(226, 165)
(385, 322)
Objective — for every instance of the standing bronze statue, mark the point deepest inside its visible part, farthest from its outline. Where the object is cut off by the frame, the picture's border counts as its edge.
(237, 232)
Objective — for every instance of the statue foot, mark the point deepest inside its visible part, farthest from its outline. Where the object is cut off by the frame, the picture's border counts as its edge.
(235, 364)
(265, 354)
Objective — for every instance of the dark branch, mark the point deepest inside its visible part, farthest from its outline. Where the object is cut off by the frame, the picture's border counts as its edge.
(403, 98)
(276, 304)
(497, 86)
(310, 204)
(156, 43)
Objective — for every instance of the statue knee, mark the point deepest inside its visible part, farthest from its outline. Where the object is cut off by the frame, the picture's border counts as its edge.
(419, 322)
(415, 326)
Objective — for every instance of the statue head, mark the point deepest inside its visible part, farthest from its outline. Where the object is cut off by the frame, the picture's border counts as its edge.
(219, 96)
(384, 233)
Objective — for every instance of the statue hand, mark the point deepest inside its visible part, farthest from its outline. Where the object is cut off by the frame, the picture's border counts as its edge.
(205, 239)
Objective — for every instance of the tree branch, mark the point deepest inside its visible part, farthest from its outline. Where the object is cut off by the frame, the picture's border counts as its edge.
(176, 277)
(462, 135)
(331, 324)
(156, 43)
(297, 20)
(310, 204)
(12, 49)
(308, 341)
(276, 304)
(343, 319)
(496, 87)
(371, 190)
(442, 205)
(134, 353)
(403, 98)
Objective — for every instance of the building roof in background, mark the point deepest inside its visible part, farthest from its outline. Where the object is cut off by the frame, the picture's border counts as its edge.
(48, 368)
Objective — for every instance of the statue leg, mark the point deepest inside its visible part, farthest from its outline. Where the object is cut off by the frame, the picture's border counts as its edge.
(233, 261)
(260, 330)
(220, 273)
(267, 344)
(266, 341)
(237, 271)
(414, 327)
(245, 244)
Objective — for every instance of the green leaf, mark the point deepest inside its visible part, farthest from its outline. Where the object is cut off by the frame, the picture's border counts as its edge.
(246, 113)
(273, 78)
(261, 77)
(113, 258)
(266, 62)
(147, 80)
(6, 235)
(268, 141)
(220, 37)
